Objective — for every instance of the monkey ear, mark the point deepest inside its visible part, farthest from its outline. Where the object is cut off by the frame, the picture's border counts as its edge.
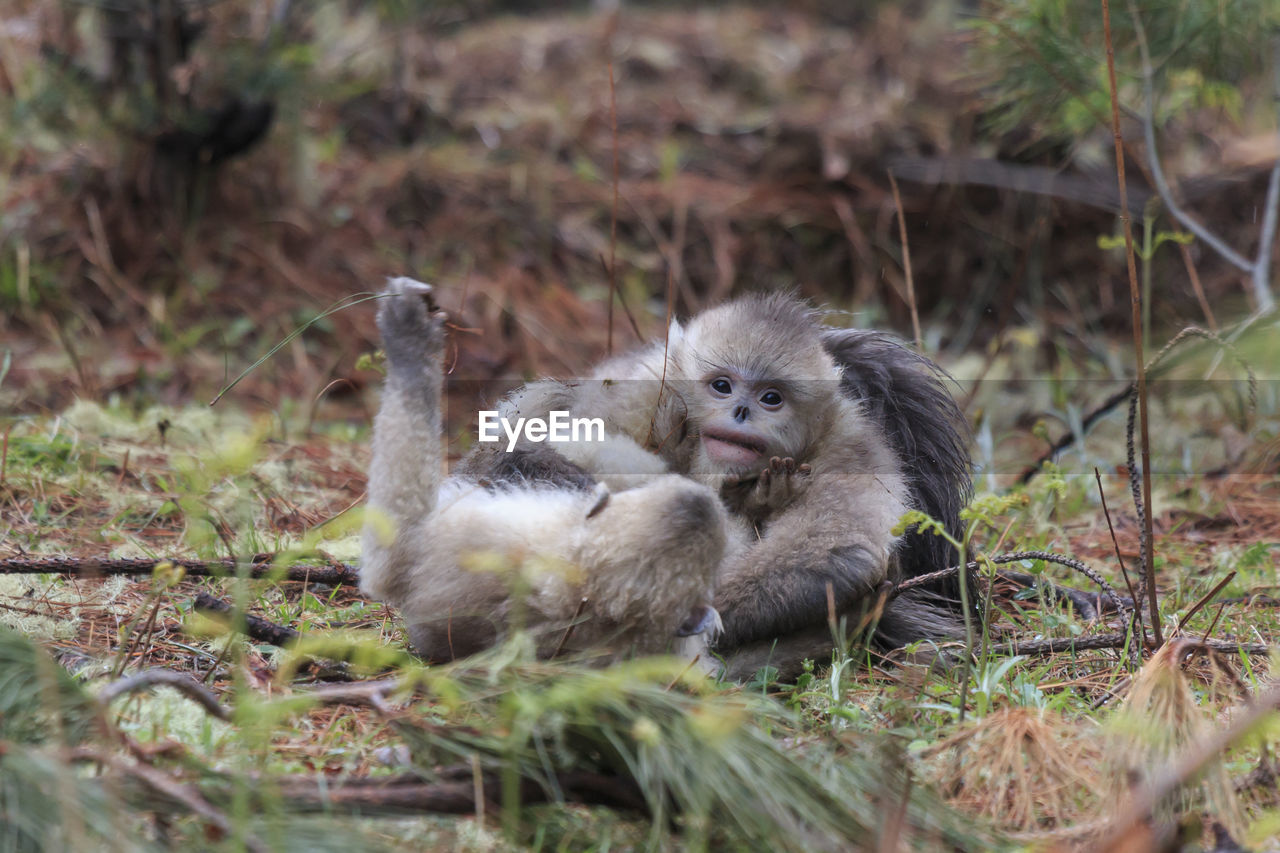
(675, 333)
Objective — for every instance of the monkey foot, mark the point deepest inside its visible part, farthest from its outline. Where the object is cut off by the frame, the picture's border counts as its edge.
(411, 323)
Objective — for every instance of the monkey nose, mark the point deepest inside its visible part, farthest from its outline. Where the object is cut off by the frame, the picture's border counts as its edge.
(740, 413)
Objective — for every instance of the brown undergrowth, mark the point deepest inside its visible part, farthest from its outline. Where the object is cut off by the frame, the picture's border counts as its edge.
(1037, 761)
(753, 145)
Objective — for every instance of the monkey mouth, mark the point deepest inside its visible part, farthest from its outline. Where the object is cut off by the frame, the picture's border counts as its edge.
(732, 448)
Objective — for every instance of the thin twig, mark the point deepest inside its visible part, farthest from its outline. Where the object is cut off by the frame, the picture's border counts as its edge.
(666, 354)
(1214, 624)
(906, 264)
(1205, 599)
(260, 566)
(1259, 268)
(671, 684)
(1136, 625)
(573, 623)
(1115, 544)
(343, 303)
(1115, 640)
(1135, 294)
(613, 211)
(1198, 288)
(622, 300)
(141, 639)
(1016, 556)
(179, 681)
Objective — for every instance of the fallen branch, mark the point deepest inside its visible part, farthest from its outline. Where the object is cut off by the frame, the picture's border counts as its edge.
(181, 682)
(1121, 604)
(256, 628)
(1154, 367)
(259, 566)
(170, 789)
(1059, 645)
(371, 693)
(1258, 269)
(263, 631)
(454, 792)
(1070, 437)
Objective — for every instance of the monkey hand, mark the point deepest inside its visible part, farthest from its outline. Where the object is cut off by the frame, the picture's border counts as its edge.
(772, 491)
(412, 326)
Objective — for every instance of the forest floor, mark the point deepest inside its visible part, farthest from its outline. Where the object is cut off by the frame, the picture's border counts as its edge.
(752, 153)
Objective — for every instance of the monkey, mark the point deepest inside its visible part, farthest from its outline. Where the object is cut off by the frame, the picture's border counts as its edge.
(467, 562)
(816, 439)
(904, 393)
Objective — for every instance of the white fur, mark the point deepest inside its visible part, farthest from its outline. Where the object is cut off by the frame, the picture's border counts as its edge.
(465, 563)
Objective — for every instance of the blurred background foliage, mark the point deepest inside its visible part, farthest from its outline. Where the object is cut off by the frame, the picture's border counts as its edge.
(1045, 60)
(185, 183)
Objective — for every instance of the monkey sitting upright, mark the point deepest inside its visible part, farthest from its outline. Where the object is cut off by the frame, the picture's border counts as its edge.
(629, 573)
(817, 440)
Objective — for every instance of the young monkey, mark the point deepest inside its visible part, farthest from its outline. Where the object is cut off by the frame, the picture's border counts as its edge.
(629, 573)
(748, 399)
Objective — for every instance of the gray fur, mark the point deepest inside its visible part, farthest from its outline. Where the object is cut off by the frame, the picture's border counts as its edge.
(822, 536)
(466, 563)
(865, 431)
(904, 392)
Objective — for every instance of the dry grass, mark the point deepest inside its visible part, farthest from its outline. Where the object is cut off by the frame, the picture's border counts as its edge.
(1025, 769)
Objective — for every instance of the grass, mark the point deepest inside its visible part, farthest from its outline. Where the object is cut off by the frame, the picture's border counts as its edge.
(1028, 750)
(1027, 761)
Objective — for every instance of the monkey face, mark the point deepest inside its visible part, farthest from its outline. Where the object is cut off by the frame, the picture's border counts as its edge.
(759, 385)
(743, 420)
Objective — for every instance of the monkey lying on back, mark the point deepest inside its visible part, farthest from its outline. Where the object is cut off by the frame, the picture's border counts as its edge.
(816, 439)
(631, 572)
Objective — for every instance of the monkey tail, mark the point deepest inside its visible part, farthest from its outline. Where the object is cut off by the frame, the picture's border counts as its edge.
(905, 393)
(918, 615)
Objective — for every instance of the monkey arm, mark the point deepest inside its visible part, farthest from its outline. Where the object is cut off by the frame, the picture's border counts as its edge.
(617, 461)
(526, 464)
(776, 590)
(405, 470)
(837, 535)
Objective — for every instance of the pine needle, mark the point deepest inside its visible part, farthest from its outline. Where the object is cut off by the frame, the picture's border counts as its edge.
(712, 762)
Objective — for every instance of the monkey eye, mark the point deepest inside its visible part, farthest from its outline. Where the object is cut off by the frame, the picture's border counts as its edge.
(721, 386)
(771, 399)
